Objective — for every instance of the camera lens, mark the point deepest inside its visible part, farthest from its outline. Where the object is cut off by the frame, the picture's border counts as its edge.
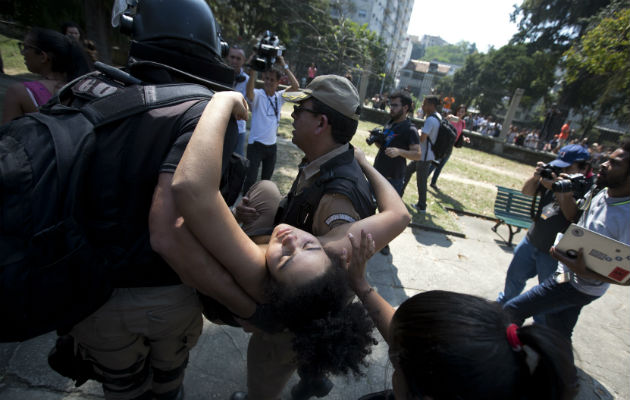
(562, 186)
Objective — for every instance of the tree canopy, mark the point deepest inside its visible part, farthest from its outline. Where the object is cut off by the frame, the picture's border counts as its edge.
(597, 66)
(486, 79)
(308, 30)
(450, 53)
(553, 25)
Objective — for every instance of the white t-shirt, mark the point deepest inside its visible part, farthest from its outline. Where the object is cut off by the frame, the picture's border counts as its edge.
(241, 87)
(607, 216)
(431, 127)
(265, 117)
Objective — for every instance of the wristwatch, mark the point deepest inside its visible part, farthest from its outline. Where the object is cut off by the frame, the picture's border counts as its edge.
(286, 66)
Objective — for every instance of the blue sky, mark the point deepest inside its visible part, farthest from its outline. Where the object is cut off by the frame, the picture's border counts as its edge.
(485, 22)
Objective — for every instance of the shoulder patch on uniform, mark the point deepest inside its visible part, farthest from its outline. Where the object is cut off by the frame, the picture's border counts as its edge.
(339, 217)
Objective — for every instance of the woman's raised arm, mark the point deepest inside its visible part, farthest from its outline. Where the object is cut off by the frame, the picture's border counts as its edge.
(379, 309)
(391, 220)
(197, 197)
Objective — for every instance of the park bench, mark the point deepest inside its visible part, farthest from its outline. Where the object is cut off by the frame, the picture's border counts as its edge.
(513, 208)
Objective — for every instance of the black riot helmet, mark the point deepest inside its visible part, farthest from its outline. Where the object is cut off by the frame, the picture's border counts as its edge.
(181, 37)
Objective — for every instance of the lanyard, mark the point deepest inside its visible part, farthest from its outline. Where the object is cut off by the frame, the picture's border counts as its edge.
(621, 203)
(275, 108)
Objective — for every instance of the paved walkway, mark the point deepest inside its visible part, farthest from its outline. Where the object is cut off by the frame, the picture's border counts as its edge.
(420, 261)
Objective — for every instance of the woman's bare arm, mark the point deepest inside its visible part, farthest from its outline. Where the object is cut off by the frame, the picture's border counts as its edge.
(17, 102)
(197, 196)
(391, 220)
(379, 309)
(195, 266)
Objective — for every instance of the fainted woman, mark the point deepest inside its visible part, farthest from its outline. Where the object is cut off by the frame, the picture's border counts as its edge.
(447, 345)
(56, 58)
(297, 280)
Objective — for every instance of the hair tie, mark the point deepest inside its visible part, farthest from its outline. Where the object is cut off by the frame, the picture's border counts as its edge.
(512, 337)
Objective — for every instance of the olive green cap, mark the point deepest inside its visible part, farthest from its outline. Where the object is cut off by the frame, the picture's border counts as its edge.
(337, 92)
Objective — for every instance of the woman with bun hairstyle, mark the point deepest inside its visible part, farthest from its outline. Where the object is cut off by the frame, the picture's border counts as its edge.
(447, 345)
(57, 58)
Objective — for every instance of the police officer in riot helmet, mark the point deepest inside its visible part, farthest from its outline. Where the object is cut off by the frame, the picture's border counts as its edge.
(177, 42)
(137, 343)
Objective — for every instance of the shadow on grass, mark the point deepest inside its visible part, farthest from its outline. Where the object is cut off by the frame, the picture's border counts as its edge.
(435, 219)
(445, 200)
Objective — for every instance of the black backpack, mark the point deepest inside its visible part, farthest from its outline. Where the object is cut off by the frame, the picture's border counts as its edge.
(445, 139)
(50, 276)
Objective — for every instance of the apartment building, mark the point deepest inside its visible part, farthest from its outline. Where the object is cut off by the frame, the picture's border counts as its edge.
(390, 20)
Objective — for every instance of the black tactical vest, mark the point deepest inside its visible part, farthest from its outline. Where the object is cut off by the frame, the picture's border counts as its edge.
(340, 175)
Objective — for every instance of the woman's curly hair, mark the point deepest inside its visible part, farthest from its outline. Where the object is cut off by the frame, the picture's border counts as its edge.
(333, 334)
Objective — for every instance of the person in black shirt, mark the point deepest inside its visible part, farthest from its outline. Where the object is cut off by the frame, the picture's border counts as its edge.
(402, 142)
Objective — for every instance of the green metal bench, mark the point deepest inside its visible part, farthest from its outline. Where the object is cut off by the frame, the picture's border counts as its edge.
(513, 208)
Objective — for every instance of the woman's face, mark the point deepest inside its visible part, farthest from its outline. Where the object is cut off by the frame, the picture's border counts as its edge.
(461, 112)
(32, 54)
(295, 256)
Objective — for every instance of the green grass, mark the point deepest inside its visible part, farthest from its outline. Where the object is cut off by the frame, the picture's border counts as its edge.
(467, 182)
(11, 57)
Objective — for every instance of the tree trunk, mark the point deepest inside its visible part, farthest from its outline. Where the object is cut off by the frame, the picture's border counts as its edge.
(98, 26)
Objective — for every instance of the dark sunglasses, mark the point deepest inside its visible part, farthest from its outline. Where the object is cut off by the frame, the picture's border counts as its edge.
(23, 46)
(298, 109)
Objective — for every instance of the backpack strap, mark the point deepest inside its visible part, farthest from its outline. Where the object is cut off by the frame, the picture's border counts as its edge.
(135, 99)
(439, 123)
(65, 143)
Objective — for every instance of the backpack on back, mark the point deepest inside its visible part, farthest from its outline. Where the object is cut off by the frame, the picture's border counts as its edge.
(445, 139)
(50, 276)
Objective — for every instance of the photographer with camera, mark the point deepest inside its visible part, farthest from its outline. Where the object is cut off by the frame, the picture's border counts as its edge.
(557, 209)
(266, 104)
(607, 212)
(397, 142)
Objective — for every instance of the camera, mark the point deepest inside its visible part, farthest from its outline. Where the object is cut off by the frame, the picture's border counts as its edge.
(548, 171)
(267, 50)
(573, 183)
(376, 136)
